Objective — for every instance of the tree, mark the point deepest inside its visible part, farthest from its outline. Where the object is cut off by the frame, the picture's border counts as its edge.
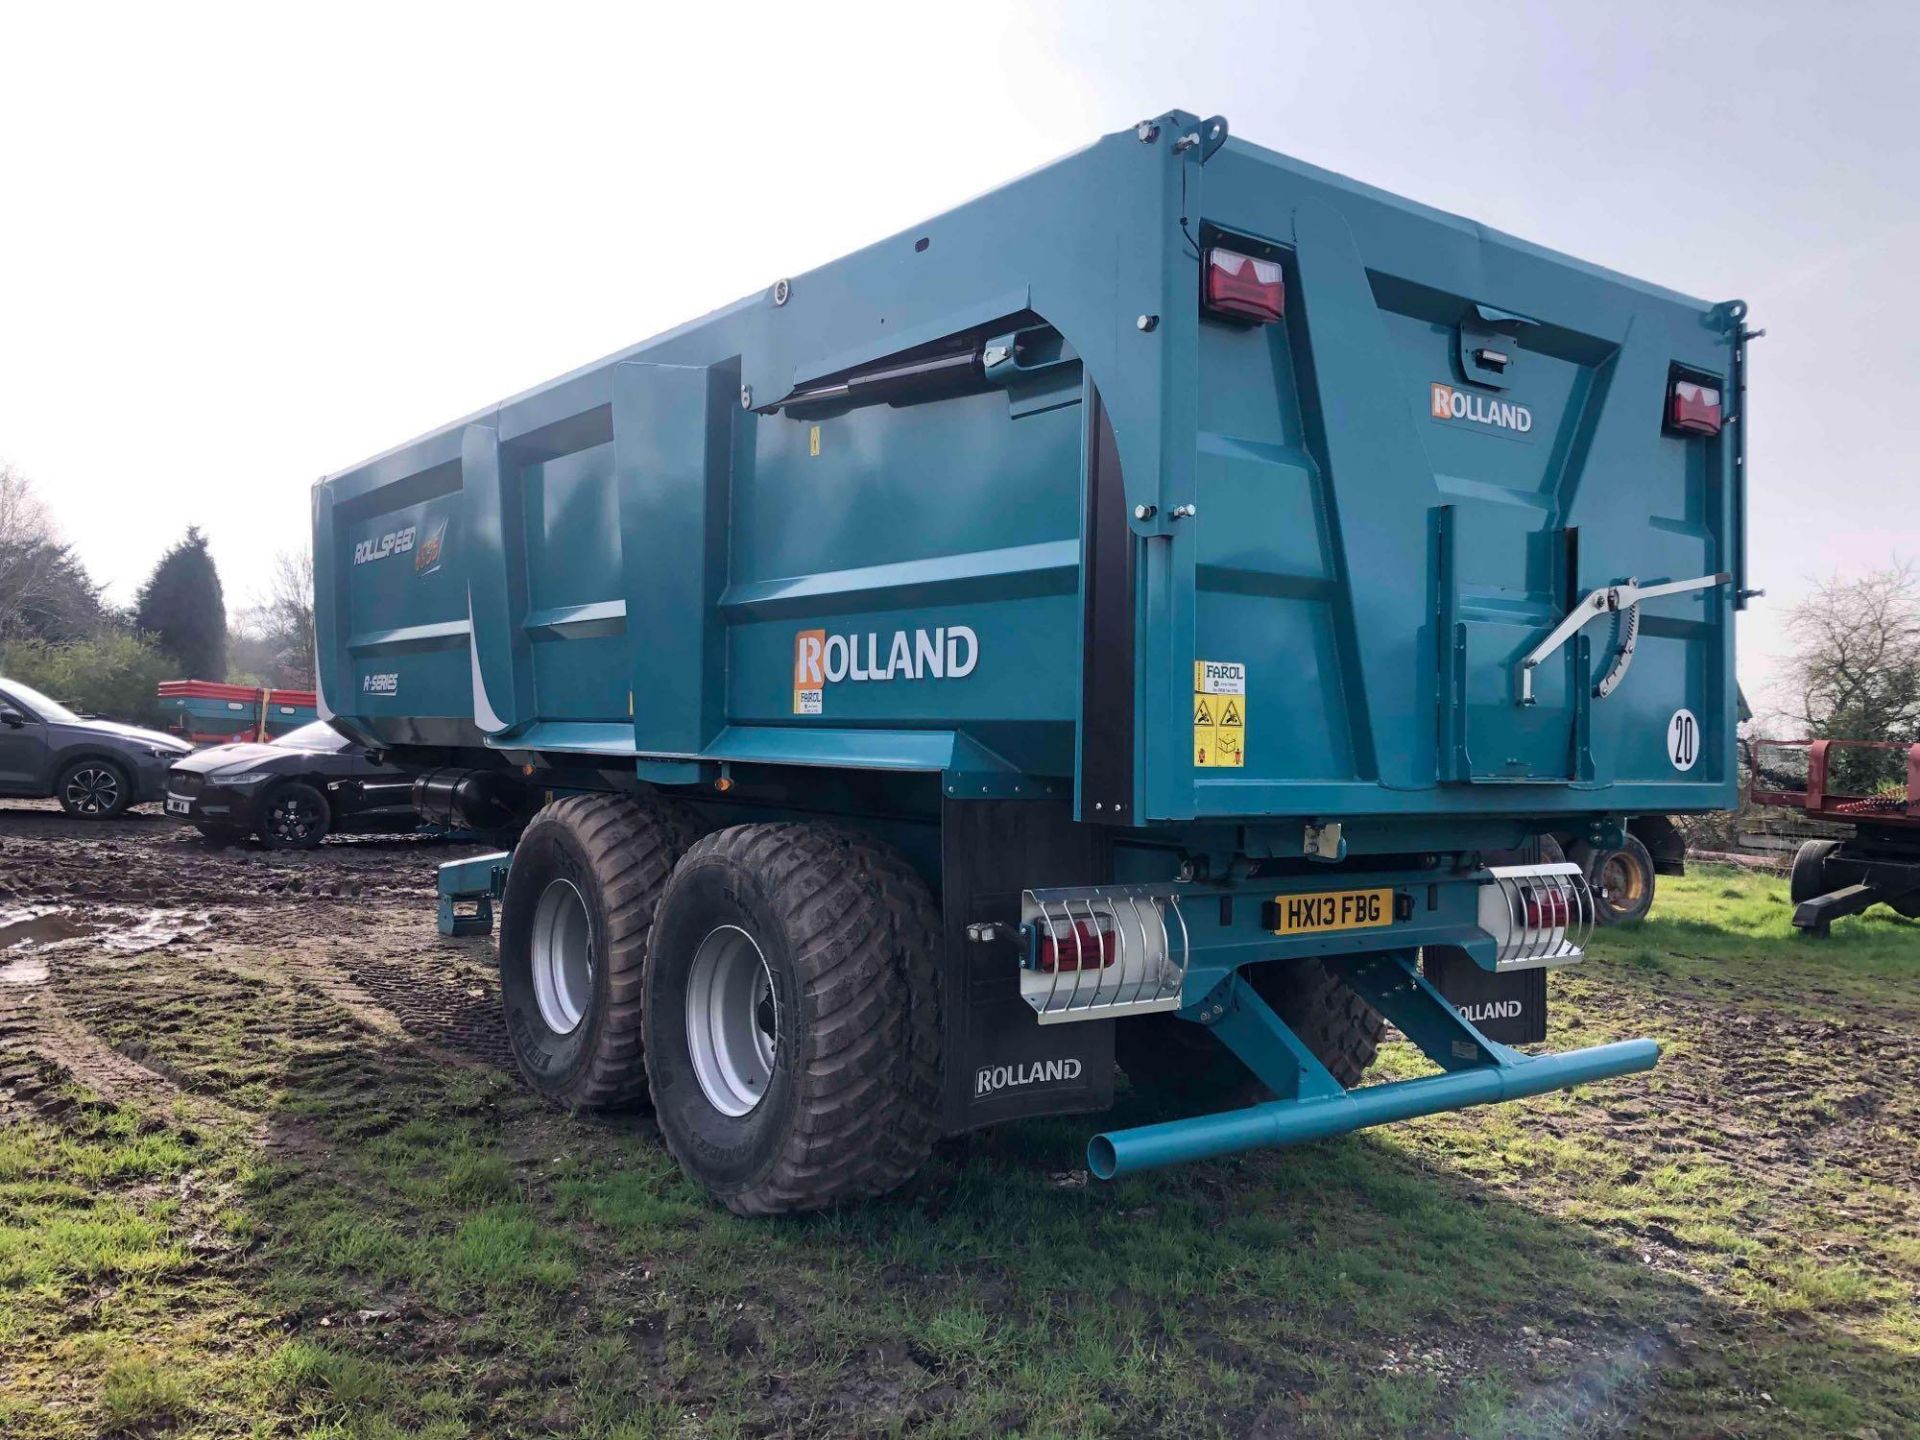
(22, 517)
(182, 607)
(45, 593)
(1855, 673)
(276, 632)
(112, 673)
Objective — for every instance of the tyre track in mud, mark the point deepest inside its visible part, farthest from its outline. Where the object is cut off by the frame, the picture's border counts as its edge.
(455, 1008)
(324, 951)
(1794, 1100)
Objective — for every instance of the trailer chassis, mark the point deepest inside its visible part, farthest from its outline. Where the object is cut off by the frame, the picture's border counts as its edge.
(1209, 962)
(1859, 881)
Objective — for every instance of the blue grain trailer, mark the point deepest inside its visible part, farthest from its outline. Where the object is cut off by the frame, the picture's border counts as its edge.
(1145, 619)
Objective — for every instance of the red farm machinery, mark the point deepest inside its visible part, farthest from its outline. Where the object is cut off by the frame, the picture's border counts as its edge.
(1872, 786)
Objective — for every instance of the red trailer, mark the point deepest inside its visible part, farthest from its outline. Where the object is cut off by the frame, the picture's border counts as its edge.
(1872, 785)
(211, 712)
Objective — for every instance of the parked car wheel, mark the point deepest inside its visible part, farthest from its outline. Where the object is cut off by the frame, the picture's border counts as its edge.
(295, 816)
(1180, 1059)
(1809, 878)
(1622, 880)
(577, 917)
(790, 1065)
(94, 789)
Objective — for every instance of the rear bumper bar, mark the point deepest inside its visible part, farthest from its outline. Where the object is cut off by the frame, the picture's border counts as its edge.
(1293, 1122)
(1312, 1105)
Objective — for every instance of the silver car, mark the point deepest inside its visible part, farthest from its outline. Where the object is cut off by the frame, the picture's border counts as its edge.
(94, 768)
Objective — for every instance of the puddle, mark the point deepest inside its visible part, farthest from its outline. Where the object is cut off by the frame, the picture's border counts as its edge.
(22, 929)
(24, 971)
(154, 929)
(131, 932)
(28, 970)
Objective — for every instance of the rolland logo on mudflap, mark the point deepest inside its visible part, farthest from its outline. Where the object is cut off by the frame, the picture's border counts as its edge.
(946, 653)
(1007, 1077)
(1492, 1010)
(1452, 404)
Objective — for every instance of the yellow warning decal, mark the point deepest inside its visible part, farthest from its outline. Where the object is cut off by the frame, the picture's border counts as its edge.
(813, 441)
(1219, 714)
(809, 671)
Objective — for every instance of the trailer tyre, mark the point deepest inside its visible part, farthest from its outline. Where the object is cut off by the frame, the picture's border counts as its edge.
(792, 1028)
(1180, 1059)
(1809, 878)
(586, 878)
(1622, 880)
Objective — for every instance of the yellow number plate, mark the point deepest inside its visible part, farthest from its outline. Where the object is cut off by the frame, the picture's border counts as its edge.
(1332, 910)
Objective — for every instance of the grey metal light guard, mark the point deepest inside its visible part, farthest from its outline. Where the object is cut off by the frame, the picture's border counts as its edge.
(1150, 964)
(1513, 887)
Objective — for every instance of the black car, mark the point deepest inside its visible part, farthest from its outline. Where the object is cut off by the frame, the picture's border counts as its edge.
(94, 768)
(292, 792)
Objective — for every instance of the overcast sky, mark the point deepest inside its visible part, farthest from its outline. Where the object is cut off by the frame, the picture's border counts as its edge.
(242, 247)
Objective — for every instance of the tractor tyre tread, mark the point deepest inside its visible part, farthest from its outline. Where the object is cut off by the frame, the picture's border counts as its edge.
(1593, 862)
(1807, 881)
(860, 928)
(631, 844)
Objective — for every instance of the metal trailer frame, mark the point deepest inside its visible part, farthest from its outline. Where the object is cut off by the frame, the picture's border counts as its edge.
(603, 584)
(1880, 862)
(1206, 960)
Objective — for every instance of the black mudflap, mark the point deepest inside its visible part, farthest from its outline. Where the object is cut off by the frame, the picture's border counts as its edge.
(1002, 1064)
(1509, 1008)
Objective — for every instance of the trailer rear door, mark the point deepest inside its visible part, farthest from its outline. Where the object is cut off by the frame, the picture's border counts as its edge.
(1403, 486)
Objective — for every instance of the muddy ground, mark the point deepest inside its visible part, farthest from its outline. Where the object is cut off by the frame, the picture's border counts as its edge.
(356, 1222)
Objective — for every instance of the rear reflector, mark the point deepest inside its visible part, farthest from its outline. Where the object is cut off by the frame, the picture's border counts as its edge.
(1694, 407)
(1245, 288)
(1087, 946)
(1547, 910)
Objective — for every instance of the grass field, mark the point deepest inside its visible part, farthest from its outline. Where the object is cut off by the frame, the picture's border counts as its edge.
(311, 1223)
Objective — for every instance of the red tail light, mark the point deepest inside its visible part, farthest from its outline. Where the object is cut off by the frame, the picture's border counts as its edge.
(1245, 288)
(1548, 910)
(1084, 947)
(1694, 407)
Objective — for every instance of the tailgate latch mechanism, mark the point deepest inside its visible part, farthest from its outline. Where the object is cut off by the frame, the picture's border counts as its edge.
(1607, 600)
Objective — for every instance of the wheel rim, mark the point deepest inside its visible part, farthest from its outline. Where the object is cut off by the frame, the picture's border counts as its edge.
(562, 957)
(294, 817)
(1622, 881)
(93, 790)
(733, 1021)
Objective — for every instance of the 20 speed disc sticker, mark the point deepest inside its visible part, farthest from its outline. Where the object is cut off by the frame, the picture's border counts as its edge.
(1683, 740)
